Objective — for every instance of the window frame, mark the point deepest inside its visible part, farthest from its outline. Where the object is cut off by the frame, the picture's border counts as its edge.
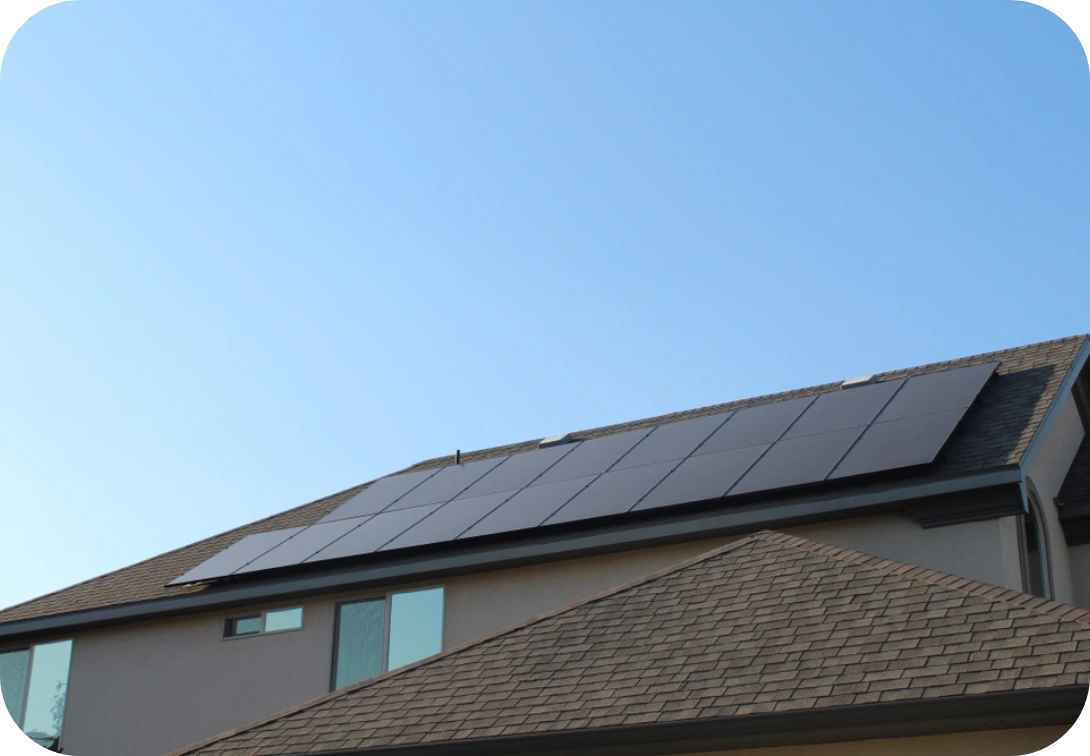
(387, 597)
(1035, 514)
(30, 649)
(232, 620)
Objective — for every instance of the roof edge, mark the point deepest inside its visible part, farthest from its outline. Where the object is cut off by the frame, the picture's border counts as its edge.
(946, 714)
(1053, 411)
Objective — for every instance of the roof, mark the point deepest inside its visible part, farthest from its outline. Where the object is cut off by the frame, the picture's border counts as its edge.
(995, 433)
(769, 624)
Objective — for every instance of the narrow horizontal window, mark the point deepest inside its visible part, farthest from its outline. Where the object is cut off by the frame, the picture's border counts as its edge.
(272, 621)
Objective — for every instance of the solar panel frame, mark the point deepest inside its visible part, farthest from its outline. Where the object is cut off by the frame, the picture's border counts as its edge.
(897, 444)
(614, 492)
(799, 461)
(529, 507)
(303, 545)
(927, 394)
(672, 441)
(237, 555)
(378, 531)
(446, 484)
(847, 408)
(379, 495)
(593, 457)
(754, 426)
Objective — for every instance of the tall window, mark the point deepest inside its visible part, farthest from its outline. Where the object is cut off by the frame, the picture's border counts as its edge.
(34, 683)
(384, 633)
(1035, 546)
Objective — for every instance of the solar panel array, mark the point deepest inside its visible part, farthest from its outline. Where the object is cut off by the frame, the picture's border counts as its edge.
(858, 431)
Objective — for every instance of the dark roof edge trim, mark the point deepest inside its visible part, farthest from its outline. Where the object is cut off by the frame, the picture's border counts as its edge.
(496, 556)
(1053, 411)
(964, 713)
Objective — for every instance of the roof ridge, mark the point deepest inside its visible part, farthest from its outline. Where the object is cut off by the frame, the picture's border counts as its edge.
(491, 451)
(435, 658)
(945, 580)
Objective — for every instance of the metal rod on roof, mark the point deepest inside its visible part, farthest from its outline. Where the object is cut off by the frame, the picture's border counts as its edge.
(458, 456)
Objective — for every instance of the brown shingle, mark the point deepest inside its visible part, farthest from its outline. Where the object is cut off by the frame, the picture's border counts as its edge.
(995, 433)
(505, 684)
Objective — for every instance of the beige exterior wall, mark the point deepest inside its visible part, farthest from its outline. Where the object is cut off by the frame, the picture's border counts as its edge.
(1047, 475)
(1080, 574)
(989, 743)
(147, 688)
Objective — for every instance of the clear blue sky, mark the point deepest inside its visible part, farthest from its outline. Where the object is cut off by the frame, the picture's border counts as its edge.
(253, 253)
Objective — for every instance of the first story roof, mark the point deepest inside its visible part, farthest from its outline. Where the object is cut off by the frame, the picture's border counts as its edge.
(765, 632)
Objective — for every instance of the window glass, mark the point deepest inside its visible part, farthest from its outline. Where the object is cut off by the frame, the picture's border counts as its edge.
(284, 619)
(13, 674)
(361, 631)
(243, 626)
(416, 626)
(48, 692)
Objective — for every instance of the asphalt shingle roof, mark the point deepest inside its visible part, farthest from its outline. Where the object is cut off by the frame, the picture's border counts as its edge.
(995, 433)
(771, 623)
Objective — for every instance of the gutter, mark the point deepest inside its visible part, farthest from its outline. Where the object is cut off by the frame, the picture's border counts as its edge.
(723, 521)
(948, 714)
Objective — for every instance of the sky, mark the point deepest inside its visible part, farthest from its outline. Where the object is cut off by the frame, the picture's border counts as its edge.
(255, 253)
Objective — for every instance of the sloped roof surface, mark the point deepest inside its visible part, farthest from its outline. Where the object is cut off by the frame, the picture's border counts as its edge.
(771, 623)
(995, 433)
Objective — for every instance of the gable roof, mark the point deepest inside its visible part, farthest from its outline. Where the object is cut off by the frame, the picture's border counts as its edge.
(769, 624)
(995, 433)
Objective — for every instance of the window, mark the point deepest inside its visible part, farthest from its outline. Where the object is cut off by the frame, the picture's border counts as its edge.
(273, 621)
(1035, 578)
(34, 683)
(380, 634)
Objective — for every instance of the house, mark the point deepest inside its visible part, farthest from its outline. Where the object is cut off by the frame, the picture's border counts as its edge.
(898, 563)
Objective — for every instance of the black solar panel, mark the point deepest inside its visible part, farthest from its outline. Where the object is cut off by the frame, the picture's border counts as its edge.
(593, 457)
(449, 521)
(446, 484)
(305, 544)
(672, 441)
(851, 432)
(613, 493)
(899, 443)
(938, 392)
(373, 534)
(708, 476)
(379, 495)
(236, 555)
(529, 507)
(801, 460)
(756, 425)
(849, 408)
(519, 471)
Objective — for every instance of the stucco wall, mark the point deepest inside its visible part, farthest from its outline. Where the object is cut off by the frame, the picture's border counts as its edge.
(1047, 474)
(1080, 574)
(989, 743)
(147, 688)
